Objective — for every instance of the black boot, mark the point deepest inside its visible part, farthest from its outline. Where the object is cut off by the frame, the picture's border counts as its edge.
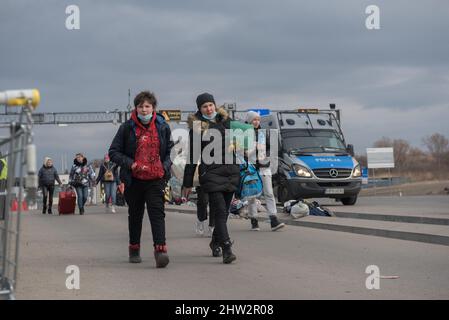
(81, 211)
(49, 211)
(228, 256)
(134, 254)
(275, 224)
(44, 210)
(215, 247)
(254, 224)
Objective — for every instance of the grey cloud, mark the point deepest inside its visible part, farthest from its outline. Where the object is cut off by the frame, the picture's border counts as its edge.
(271, 53)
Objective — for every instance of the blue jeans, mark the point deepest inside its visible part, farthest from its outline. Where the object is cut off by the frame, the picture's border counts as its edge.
(81, 195)
(110, 190)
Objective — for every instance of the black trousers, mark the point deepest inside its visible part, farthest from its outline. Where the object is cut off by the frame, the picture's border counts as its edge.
(219, 206)
(47, 191)
(201, 207)
(151, 193)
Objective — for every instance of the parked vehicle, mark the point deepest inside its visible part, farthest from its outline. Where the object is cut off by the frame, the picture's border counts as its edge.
(314, 159)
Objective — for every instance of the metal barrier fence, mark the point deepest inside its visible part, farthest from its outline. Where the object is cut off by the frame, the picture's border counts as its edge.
(19, 157)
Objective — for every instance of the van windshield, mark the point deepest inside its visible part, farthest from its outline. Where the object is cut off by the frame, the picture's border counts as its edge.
(299, 140)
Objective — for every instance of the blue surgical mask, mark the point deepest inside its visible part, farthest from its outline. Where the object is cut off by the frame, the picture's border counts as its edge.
(212, 117)
(146, 118)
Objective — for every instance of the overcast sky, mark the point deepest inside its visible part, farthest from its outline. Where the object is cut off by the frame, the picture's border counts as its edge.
(390, 82)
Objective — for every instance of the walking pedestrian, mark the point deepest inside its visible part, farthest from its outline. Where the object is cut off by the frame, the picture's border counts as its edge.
(108, 176)
(46, 181)
(142, 149)
(258, 154)
(218, 178)
(80, 177)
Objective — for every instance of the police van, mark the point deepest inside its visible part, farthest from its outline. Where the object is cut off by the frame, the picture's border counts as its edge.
(314, 159)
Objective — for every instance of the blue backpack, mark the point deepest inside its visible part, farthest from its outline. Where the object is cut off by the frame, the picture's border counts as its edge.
(250, 185)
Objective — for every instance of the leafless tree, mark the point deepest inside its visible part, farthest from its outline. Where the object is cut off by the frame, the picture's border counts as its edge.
(383, 142)
(414, 162)
(417, 160)
(400, 148)
(438, 145)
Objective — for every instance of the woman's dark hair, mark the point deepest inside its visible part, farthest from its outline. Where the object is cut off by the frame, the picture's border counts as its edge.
(145, 96)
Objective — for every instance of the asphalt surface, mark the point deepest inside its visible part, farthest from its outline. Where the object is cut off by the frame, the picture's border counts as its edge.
(295, 263)
(427, 206)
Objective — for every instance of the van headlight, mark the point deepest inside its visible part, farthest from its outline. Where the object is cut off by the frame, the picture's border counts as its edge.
(302, 171)
(357, 172)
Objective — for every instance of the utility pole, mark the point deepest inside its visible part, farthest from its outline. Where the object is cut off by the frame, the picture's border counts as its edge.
(129, 100)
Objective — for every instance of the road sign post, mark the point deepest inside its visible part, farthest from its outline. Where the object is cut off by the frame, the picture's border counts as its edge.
(380, 158)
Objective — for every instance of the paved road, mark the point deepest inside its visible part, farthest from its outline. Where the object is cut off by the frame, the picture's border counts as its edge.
(297, 263)
(432, 206)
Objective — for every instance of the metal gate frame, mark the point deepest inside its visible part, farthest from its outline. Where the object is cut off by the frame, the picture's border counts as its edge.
(21, 156)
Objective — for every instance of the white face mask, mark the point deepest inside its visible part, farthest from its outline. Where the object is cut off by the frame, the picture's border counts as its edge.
(211, 117)
(145, 118)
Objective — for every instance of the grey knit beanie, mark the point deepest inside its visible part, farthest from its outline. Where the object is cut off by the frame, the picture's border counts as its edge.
(251, 115)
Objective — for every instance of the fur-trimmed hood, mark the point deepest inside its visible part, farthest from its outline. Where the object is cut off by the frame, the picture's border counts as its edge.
(76, 163)
(222, 115)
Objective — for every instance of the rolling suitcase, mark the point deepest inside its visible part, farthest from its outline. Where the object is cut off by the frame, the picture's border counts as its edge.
(67, 201)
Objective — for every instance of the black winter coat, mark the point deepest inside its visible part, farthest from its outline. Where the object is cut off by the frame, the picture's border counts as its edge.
(212, 177)
(47, 176)
(124, 145)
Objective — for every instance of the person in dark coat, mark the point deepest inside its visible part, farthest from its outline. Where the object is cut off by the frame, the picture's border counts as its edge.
(218, 178)
(108, 176)
(46, 177)
(142, 148)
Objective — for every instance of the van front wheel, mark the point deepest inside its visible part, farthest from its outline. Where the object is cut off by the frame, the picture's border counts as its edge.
(349, 201)
(283, 193)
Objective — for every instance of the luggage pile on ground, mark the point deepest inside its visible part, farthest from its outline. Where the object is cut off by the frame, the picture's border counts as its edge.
(175, 189)
(301, 208)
